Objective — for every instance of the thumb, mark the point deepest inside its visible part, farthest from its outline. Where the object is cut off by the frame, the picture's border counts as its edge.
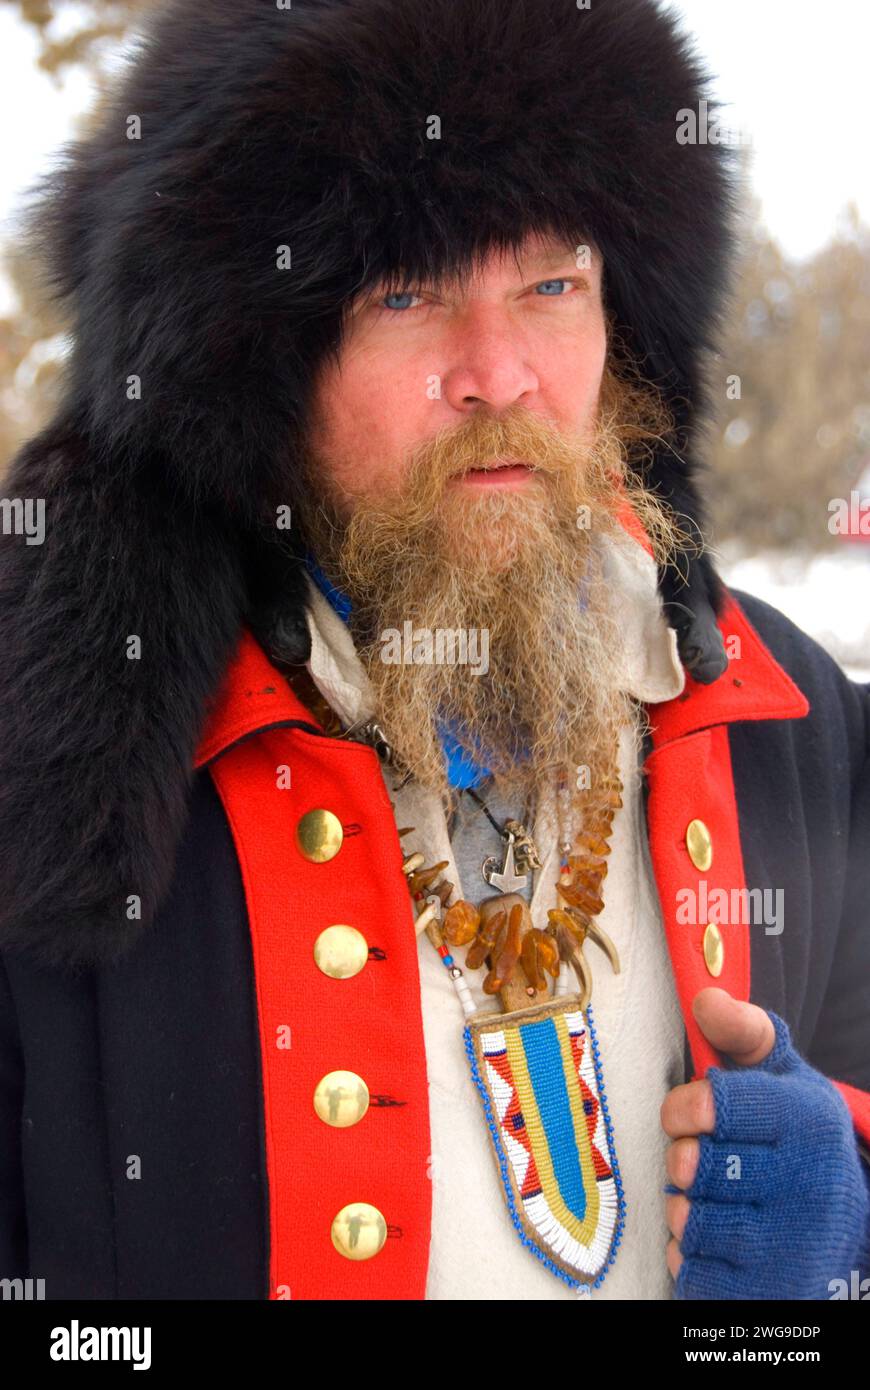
(744, 1032)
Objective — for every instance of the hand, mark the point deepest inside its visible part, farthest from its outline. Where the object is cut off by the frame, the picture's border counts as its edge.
(746, 1033)
(767, 1196)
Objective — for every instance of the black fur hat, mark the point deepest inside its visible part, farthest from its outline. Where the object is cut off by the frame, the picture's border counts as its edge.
(255, 169)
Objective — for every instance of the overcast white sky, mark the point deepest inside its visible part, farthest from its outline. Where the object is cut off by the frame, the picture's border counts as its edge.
(793, 71)
(796, 75)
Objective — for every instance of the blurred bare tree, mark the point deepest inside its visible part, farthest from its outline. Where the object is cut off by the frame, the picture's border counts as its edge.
(87, 27)
(86, 34)
(794, 389)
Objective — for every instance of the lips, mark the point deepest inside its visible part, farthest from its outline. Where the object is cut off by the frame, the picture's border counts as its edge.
(498, 464)
(501, 473)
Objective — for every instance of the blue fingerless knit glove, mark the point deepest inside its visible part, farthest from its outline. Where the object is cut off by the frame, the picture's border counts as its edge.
(795, 1213)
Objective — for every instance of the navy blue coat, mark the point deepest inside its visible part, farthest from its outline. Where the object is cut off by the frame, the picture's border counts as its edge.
(156, 1053)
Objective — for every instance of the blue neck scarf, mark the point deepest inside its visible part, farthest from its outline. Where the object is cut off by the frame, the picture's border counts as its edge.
(462, 770)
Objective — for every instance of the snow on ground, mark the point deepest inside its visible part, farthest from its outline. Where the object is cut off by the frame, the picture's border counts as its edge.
(827, 595)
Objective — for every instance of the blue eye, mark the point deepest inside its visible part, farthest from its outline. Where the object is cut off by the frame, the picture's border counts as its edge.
(544, 283)
(406, 294)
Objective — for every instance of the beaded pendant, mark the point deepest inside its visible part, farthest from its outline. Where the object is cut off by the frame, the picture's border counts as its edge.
(538, 1073)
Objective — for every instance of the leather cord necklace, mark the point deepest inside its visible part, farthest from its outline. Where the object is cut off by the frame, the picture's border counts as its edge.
(510, 871)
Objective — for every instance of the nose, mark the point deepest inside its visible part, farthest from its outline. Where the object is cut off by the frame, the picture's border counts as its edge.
(489, 364)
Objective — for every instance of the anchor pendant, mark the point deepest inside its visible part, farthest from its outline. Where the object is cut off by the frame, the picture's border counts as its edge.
(505, 878)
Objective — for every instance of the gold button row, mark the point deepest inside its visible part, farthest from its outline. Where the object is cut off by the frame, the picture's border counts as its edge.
(341, 1098)
(699, 843)
(340, 951)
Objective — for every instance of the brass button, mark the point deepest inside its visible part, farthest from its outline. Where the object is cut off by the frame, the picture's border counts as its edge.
(714, 949)
(699, 843)
(341, 1098)
(341, 952)
(359, 1231)
(319, 836)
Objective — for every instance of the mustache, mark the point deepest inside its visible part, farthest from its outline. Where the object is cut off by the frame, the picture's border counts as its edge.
(516, 435)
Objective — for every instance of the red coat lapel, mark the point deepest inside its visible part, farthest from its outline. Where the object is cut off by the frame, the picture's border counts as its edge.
(312, 1023)
(690, 780)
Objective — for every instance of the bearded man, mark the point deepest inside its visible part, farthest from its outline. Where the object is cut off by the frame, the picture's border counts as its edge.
(365, 882)
(491, 509)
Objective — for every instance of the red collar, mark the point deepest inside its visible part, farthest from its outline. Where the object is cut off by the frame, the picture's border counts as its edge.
(253, 696)
(753, 687)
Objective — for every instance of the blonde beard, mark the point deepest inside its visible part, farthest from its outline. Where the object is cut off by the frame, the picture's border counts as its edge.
(523, 567)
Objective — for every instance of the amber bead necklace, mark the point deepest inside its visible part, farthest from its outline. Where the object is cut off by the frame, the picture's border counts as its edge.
(499, 931)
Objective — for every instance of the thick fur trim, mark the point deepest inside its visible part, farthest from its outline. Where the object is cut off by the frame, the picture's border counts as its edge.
(97, 732)
(305, 128)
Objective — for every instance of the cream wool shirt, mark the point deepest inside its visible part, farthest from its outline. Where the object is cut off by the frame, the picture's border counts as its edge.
(475, 1252)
